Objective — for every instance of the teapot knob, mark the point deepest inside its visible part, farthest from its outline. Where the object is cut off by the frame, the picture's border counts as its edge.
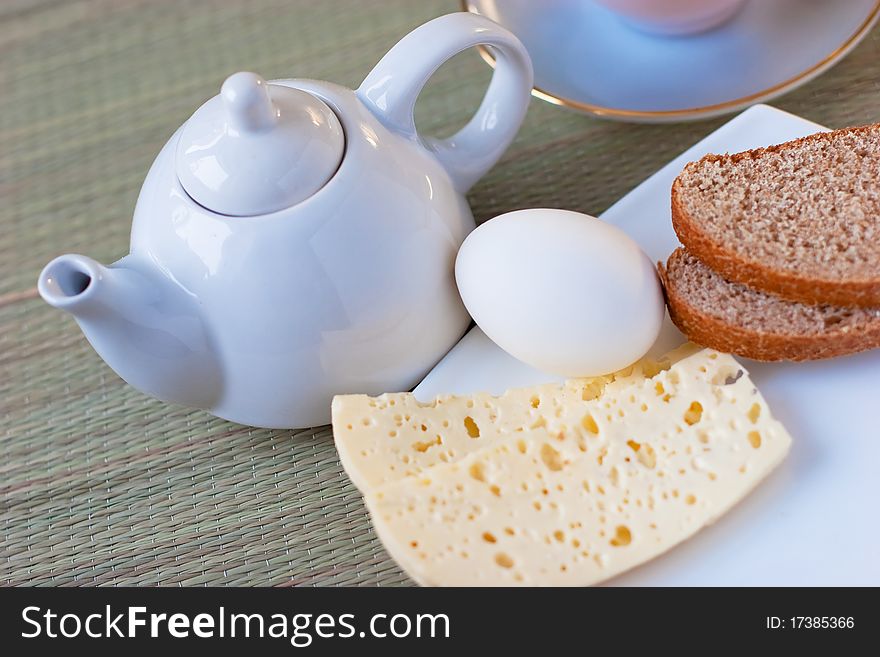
(249, 108)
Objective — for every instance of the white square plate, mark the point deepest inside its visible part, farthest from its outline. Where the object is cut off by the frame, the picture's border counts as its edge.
(816, 520)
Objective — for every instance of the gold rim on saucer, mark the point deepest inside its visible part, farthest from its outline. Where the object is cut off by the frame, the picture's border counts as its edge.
(705, 111)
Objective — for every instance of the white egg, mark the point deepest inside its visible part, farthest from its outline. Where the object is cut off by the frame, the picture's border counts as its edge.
(561, 291)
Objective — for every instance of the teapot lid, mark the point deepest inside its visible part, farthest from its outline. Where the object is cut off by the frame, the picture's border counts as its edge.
(257, 148)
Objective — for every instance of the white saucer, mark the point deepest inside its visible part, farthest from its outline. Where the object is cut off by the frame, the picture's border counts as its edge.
(586, 58)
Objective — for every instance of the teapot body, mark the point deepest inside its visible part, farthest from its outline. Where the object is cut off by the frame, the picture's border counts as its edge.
(351, 290)
(296, 240)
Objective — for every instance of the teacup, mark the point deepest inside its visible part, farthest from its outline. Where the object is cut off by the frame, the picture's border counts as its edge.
(674, 17)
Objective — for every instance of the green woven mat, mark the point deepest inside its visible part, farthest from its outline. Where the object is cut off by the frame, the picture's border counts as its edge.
(101, 485)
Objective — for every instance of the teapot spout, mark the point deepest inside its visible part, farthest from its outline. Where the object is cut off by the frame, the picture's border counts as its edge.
(71, 282)
(144, 325)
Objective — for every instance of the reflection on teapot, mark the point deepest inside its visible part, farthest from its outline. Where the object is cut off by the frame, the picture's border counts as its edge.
(295, 239)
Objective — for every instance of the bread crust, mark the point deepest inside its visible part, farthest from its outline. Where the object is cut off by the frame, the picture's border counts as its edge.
(710, 331)
(739, 268)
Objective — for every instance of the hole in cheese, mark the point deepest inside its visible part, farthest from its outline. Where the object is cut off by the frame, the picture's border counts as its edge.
(622, 536)
(551, 458)
(589, 424)
(425, 446)
(694, 413)
(504, 560)
(755, 413)
(472, 429)
(644, 453)
(592, 390)
(755, 439)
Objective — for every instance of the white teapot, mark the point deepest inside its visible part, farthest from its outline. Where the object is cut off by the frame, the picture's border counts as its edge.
(295, 239)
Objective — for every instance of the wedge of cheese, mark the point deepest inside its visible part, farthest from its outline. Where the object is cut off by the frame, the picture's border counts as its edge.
(386, 438)
(587, 494)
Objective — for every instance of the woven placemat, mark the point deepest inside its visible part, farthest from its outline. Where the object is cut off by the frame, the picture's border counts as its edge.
(101, 485)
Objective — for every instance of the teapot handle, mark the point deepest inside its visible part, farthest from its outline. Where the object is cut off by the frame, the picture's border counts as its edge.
(392, 87)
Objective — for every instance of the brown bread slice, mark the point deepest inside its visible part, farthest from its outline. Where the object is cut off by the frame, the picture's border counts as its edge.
(801, 219)
(736, 319)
